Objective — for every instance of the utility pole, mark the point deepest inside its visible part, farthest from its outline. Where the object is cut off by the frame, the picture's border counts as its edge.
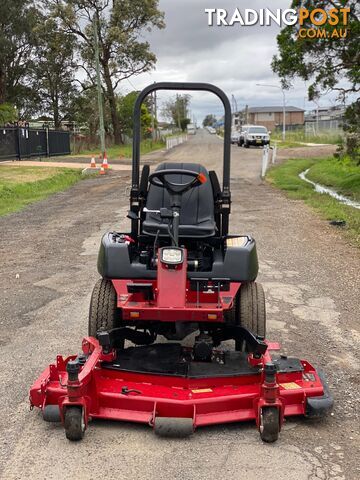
(283, 107)
(284, 116)
(246, 114)
(235, 105)
(317, 116)
(99, 91)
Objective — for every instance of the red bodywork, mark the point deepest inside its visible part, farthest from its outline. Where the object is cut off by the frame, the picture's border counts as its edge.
(206, 401)
(144, 397)
(173, 299)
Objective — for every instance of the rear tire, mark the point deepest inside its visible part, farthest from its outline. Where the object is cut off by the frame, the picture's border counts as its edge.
(103, 314)
(252, 310)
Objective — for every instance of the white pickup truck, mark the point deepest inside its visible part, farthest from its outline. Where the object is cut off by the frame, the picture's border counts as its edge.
(256, 135)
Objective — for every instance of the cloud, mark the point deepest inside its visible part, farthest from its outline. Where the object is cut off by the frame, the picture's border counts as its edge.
(234, 58)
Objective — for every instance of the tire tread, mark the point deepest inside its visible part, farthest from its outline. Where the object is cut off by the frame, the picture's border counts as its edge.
(252, 311)
(103, 313)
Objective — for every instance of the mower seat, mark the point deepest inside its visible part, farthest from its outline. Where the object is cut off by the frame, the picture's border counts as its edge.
(197, 208)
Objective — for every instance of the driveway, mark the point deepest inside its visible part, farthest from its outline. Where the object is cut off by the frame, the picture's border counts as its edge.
(311, 278)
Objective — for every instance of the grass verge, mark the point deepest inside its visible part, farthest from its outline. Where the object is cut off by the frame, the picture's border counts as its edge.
(125, 151)
(343, 177)
(20, 186)
(297, 138)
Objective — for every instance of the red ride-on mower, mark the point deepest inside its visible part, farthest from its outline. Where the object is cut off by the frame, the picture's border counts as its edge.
(178, 272)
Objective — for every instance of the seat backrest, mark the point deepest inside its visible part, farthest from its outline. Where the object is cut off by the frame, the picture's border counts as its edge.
(197, 204)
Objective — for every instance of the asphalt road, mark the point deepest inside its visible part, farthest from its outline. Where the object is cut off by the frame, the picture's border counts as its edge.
(311, 278)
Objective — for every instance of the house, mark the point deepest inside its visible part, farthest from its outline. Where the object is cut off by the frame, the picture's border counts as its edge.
(272, 117)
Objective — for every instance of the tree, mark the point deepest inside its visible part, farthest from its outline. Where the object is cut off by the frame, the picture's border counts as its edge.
(17, 21)
(125, 106)
(209, 120)
(176, 109)
(325, 62)
(352, 129)
(53, 69)
(84, 110)
(119, 27)
(184, 123)
(328, 63)
(8, 113)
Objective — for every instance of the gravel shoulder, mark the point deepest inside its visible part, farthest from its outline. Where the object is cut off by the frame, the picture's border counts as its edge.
(312, 284)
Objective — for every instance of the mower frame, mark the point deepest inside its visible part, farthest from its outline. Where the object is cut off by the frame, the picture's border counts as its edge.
(180, 388)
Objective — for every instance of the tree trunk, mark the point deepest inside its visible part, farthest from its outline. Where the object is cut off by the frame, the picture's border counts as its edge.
(56, 110)
(2, 86)
(57, 122)
(112, 104)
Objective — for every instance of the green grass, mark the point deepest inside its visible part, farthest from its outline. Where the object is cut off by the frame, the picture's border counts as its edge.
(20, 186)
(125, 151)
(342, 176)
(299, 137)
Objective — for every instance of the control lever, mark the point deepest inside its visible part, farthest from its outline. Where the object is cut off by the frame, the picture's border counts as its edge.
(146, 210)
(163, 212)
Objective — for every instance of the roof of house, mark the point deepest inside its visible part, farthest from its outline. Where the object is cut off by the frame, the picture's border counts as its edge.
(274, 109)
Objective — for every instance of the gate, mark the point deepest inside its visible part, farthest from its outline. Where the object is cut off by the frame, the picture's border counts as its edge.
(20, 142)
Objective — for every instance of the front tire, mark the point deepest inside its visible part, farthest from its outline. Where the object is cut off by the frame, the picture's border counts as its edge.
(269, 424)
(74, 423)
(104, 313)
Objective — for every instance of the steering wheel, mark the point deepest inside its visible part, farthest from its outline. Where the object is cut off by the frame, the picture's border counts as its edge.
(158, 179)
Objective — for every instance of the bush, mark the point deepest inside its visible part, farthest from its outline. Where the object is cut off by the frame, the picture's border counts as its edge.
(352, 129)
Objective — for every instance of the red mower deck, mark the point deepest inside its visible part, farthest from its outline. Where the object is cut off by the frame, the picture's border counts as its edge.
(96, 385)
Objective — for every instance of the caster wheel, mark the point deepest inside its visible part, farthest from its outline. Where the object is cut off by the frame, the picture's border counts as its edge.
(74, 423)
(51, 413)
(269, 424)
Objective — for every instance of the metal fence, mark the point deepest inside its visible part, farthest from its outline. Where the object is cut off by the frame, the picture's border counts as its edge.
(311, 127)
(174, 141)
(21, 142)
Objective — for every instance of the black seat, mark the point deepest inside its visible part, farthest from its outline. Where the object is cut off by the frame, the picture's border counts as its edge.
(197, 207)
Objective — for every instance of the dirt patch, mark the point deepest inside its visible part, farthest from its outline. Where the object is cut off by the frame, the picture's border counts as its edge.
(306, 152)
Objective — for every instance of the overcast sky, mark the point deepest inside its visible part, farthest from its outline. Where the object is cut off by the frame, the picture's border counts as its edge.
(233, 58)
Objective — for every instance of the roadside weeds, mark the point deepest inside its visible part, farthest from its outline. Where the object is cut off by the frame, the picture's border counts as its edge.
(21, 186)
(343, 177)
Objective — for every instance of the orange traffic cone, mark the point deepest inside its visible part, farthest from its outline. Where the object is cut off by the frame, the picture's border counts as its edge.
(105, 162)
(92, 163)
(102, 170)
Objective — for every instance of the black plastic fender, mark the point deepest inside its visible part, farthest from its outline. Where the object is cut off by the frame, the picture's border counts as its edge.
(319, 407)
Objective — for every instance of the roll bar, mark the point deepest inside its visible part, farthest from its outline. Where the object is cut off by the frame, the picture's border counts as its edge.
(181, 86)
(223, 203)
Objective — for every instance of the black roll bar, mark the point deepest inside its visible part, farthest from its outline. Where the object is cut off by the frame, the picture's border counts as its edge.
(135, 195)
(181, 86)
